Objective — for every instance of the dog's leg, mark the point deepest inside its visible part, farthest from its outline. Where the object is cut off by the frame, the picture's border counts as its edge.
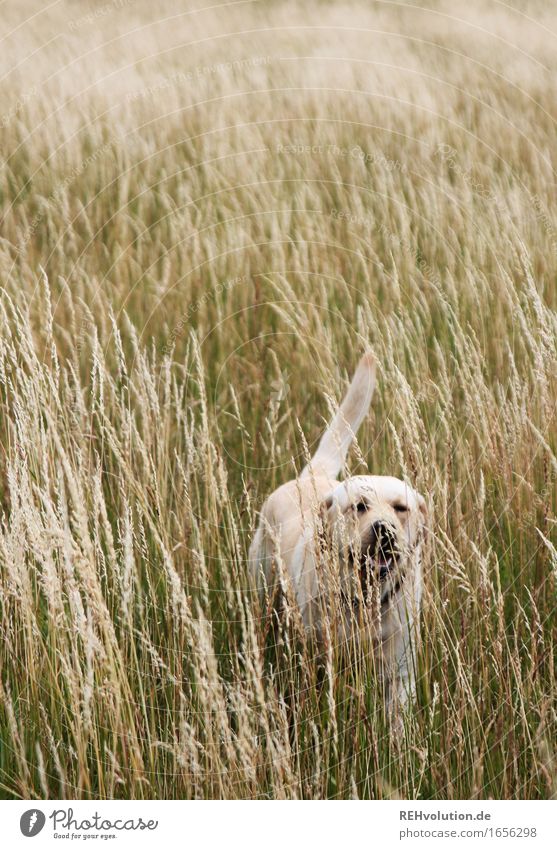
(304, 572)
(404, 683)
(397, 664)
(402, 688)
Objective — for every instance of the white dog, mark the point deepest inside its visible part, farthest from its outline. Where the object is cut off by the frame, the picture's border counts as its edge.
(350, 551)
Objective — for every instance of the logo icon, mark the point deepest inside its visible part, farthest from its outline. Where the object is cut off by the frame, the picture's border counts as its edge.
(281, 389)
(32, 822)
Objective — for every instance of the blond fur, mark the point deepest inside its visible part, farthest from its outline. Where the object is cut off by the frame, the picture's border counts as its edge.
(287, 540)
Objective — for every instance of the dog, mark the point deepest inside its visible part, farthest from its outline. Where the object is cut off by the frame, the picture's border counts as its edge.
(349, 551)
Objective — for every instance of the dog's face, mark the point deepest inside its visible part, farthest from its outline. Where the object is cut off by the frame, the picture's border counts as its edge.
(377, 523)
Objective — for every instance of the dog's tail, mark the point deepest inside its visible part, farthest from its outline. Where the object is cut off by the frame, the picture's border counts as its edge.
(335, 442)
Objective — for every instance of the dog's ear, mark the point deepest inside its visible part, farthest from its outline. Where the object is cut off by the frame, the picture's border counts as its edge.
(326, 506)
(325, 511)
(424, 514)
(328, 501)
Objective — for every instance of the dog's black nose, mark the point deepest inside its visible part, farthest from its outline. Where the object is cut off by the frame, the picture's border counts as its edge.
(379, 554)
(382, 544)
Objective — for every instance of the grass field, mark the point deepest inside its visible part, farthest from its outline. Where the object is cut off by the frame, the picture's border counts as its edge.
(206, 216)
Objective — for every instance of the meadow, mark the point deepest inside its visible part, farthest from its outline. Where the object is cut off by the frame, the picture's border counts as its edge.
(207, 215)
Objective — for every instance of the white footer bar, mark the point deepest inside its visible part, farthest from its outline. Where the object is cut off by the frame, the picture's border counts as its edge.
(279, 825)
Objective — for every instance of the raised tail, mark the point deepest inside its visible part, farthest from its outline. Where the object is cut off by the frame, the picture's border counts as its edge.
(335, 442)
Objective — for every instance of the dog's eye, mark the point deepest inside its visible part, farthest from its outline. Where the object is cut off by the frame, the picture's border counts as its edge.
(361, 507)
(400, 508)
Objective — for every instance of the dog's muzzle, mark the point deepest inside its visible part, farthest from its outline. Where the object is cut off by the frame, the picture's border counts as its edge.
(379, 554)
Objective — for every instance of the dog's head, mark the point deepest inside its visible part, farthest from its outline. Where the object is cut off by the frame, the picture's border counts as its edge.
(376, 524)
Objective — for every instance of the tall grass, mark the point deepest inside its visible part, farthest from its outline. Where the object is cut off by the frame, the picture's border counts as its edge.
(206, 214)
